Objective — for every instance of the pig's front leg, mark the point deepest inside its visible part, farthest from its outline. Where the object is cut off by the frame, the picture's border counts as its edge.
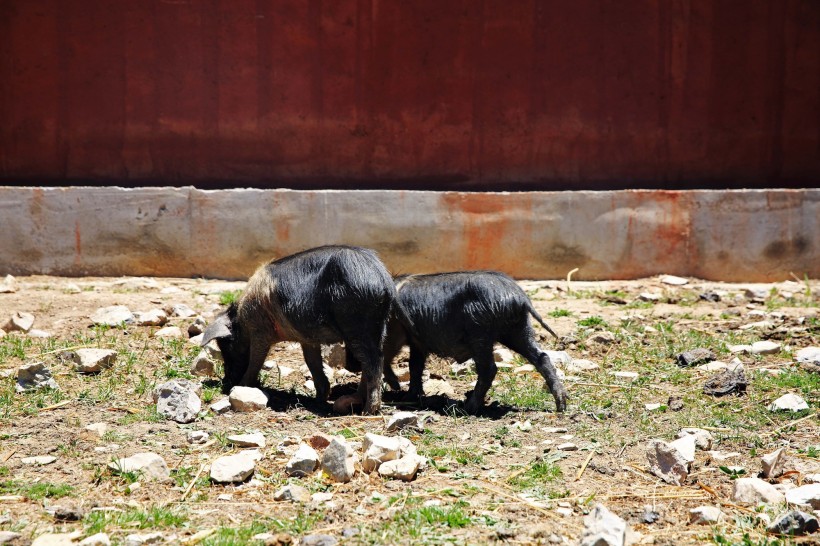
(313, 359)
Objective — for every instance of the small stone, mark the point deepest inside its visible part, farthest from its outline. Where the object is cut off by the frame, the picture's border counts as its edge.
(523, 426)
(180, 310)
(100, 539)
(35, 376)
(379, 449)
(404, 469)
(559, 358)
(338, 460)
(203, 366)
(568, 446)
(196, 327)
(233, 468)
(292, 493)
(626, 376)
(97, 428)
(149, 464)
(303, 462)
(256, 439)
(759, 325)
(653, 406)
(39, 334)
(318, 540)
(439, 387)
(714, 366)
(667, 462)
(604, 337)
(672, 280)
(178, 399)
(8, 286)
(808, 355)
(68, 513)
(56, 539)
(726, 382)
(765, 348)
(581, 365)
(794, 523)
(755, 491)
(603, 528)
(39, 460)
(169, 332)
(198, 437)
(710, 295)
(675, 403)
(404, 420)
(694, 357)
(789, 402)
(94, 360)
(220, 406)
(722, 456)
(19, 322)
(812, 478)
(247, 399)
(705, 515)
(525, 368)
(773, 463)
(703, 438)
(686, 445)
(113, 315)
(805, 494)
(502, 354)
(734, 349)
(649, 296)
(154, 317)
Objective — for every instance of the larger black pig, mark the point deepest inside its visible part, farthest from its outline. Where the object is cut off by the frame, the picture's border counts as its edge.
(320, 296)
(461, 315)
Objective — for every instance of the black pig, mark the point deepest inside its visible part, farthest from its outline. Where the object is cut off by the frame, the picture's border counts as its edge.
(320, 296)
(461, 315)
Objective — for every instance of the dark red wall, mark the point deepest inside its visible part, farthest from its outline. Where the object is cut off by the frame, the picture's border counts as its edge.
(411, 93)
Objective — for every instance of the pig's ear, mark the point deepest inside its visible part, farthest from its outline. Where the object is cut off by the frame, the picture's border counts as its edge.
(221, 327)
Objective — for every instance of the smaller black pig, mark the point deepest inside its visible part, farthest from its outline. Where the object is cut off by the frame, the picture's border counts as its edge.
(319, 296)
(461, 315)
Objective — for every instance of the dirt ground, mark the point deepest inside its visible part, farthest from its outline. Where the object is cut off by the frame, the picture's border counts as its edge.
(497, 477)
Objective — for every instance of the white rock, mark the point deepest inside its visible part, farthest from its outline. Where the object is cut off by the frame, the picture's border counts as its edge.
(292, 493)
(603, 528)
(740, 349)
(755, 491)
(626, 376)
(559, 358)
(19, 322)
(100, 539)
(653, 406)
(247, 399)
(303, 462)
(39, 460)
(8, 285)
(338, 460)
(649, 296)
(789, 402)
(524, 368)
(805, 494)
(220, 406)
(154, 317)
(57, 539)
(674, 281)
(113, 315)
(34, 376)
(94, 360)
(566, 512)
(97, 428)
(568, 446)
(404, 468)
(667, 462)
(581, 365)
(703, 438)
(39, 334)
(203, 366)
(439, 387)
(169, 332)
(379, 449)
(502, 354)
(714, 366)
(181, 310)
(178, 399)
(402, 420)
(603, 337)
(462, 368)
(812, 478)
(320, 498)
(256, 439)
(149, 464)
(808, 354)
(773, 463)
(233, 468)
(722, 456)
(523, 427)
(198, 437)
(765, 348)
(705, 515)
(686, 446)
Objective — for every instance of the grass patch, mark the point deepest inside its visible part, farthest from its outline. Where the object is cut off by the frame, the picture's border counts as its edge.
(155, 517)
(229, 296)
(558, 313)
(592, 322)
(36, 491)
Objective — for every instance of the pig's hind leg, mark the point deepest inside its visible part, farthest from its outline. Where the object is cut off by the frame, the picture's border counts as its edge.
(313, 359)
(485, 369)
(522, 341)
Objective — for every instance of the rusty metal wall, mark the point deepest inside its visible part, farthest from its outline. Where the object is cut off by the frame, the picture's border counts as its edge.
(454, 94)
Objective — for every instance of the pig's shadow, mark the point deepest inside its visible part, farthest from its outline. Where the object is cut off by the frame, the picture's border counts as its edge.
(284, 400)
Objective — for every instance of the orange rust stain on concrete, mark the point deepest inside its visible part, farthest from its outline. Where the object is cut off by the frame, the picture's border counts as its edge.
(78, 247)
(485, 219)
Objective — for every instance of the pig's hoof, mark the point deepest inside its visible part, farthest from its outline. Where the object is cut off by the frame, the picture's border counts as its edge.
(561, 402)
(347, 404)
(473, 407)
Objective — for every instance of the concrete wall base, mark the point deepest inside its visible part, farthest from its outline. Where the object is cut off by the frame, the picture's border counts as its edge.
(743, 235)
